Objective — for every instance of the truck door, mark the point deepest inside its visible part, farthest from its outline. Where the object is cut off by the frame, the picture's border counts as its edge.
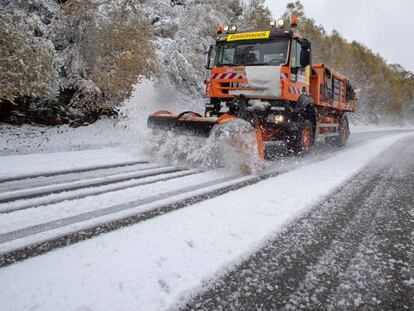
(299, 61)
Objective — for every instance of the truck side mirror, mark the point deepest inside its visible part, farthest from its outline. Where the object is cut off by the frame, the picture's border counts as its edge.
(304, 57)
(306, 44)
(207, 64)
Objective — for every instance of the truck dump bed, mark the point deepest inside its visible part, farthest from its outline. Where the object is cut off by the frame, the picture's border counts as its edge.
(332, 90)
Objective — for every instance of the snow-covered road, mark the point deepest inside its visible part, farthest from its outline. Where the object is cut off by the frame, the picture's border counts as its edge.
(352, 251)
(161, 262)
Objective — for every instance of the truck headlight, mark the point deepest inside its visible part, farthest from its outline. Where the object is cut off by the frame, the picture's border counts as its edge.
(276, 118)
(280, 23)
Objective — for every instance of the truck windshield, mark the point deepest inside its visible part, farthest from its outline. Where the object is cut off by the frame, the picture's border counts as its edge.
(252, 53)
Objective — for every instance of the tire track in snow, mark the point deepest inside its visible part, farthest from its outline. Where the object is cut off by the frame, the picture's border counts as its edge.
(71, 238)
(202, 193)
(27, 194)
(72, 177)
(70, 171)
(95, 190)
(18, 234)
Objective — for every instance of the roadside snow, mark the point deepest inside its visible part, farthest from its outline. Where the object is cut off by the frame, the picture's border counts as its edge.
(378, 128)
(158, 264)
(128, 130)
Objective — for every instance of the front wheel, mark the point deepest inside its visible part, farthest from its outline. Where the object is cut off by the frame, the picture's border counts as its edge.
(301, 142)
(238, 143)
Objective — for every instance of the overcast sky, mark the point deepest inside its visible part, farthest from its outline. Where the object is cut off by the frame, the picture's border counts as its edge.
(386, 27)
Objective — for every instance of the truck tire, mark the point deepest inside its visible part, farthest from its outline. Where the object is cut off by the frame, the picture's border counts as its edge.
(301, 142)
(342, 138)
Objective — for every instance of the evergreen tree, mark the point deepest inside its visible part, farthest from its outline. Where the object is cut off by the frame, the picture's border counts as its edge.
(257, 15)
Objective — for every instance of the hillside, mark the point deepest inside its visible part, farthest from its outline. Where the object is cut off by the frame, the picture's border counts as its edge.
(74, 61)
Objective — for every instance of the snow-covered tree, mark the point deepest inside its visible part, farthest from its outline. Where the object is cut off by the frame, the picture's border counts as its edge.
(71, 60)
(256, 14)
(26, 61)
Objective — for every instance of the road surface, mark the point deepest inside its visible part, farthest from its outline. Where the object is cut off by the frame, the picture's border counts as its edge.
(354, 250)
(332, 230)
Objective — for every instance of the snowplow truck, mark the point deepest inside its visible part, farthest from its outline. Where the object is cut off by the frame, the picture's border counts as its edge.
(267, 78)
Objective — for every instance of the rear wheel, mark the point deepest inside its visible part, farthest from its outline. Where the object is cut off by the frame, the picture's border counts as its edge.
(341, 139)
(301, 142)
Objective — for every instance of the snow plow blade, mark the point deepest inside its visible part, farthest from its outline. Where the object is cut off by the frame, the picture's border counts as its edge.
(188, 122)
(193, 124)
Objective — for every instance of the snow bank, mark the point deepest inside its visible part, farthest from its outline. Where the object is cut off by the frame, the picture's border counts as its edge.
(159, 263)
(128, 130)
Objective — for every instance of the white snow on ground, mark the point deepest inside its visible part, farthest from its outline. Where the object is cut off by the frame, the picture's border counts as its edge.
(157, 264)
(152, 204)
(32, 217)
(22, 165)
